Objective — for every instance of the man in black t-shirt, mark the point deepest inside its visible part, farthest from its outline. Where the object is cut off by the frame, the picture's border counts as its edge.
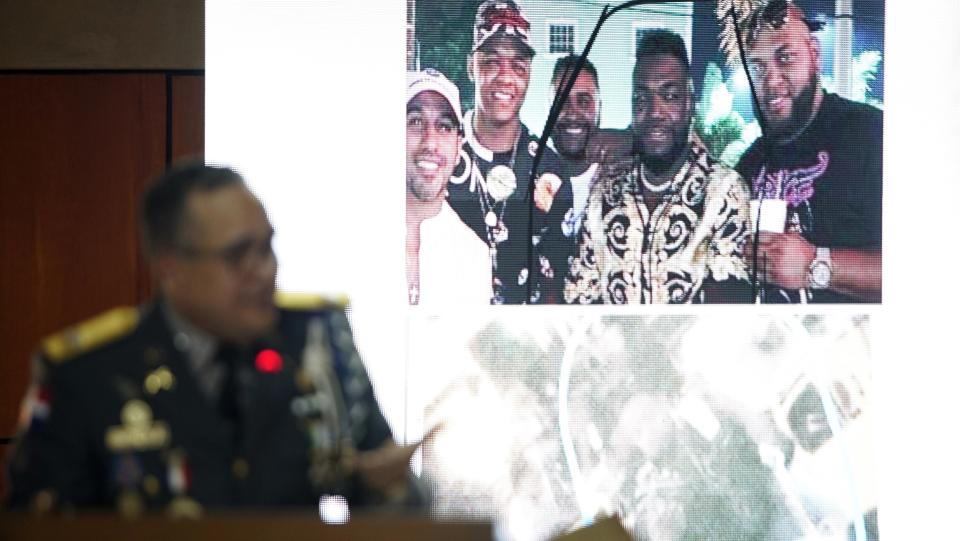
(820, 153)
(490, 191)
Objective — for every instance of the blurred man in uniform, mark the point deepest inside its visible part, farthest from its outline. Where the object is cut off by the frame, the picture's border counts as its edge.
(528, 250)
(822, 155)
(212, 395)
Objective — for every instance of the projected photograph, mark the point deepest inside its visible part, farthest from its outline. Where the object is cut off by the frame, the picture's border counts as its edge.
(683, 427)
(700, 152)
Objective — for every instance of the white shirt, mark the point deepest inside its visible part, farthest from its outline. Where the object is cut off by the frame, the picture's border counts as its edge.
(454, 262)
(581, 189)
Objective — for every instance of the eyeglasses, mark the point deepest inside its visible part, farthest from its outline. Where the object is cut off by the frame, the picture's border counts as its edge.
(241, 257)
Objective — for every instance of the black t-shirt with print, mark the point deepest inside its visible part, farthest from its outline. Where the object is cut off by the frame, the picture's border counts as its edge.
(535, 237)
(831, 177)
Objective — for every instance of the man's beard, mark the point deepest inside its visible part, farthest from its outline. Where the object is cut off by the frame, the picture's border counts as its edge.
(800, 112)
(572, 147)
(661, 164)
(423, 191)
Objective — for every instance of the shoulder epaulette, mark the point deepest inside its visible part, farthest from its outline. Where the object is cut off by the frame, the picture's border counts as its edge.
(298, 301)
(91, 333)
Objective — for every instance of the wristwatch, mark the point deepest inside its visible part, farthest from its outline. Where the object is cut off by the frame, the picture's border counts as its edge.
(820, 271)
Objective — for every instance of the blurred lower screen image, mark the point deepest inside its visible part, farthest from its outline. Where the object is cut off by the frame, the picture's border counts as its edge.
(686, 427)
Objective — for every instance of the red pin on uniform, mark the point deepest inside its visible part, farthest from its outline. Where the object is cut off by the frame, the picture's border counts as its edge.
(268, 361)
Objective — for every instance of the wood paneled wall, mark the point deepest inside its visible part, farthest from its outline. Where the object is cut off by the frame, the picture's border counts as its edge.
(96, 98)
(102, 34)
(76, 151)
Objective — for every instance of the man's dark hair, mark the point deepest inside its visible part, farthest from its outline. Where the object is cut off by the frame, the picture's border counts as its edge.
(164, 203)
(662, 41)
(567, 63)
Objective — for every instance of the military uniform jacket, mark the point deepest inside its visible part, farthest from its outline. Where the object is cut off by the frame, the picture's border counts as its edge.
(125, 423)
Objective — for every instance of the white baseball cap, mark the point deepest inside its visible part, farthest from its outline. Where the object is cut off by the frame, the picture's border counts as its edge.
(431, 79)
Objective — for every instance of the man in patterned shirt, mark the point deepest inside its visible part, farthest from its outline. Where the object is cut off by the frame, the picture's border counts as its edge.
(669, 224)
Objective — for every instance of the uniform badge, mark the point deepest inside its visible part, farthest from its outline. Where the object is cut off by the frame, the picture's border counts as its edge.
(315, 404)
(179, 479)
(321, 435)
(158, 380)
(324, 468)
(532, 148)
(137, 431)
(317, 359)
(178, 473)
(36, 406)
(304, 381)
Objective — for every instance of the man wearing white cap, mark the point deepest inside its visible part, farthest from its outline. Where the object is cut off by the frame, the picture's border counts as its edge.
(522, 227)
(446, 262)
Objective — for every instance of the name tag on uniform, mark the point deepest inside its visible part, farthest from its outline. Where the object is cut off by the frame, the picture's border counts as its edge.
(137, 431)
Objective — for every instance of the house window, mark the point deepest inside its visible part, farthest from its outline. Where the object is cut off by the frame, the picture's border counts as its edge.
(561, 38)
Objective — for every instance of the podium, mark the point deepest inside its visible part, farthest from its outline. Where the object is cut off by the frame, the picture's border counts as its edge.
(236, 526)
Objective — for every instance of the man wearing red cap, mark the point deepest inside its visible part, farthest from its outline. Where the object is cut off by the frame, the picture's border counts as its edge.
(528, 250)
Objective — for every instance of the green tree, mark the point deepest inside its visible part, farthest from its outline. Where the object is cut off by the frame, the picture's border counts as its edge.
(445, 32)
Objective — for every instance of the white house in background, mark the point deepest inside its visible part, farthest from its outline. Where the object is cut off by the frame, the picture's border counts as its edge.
(559, 27)
(413, 60)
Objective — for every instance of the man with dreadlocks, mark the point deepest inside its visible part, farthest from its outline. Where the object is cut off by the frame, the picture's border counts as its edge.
(668, 225)
(820, 153)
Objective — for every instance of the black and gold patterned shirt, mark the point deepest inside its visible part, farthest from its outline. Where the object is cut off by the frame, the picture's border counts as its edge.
(696, 233)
